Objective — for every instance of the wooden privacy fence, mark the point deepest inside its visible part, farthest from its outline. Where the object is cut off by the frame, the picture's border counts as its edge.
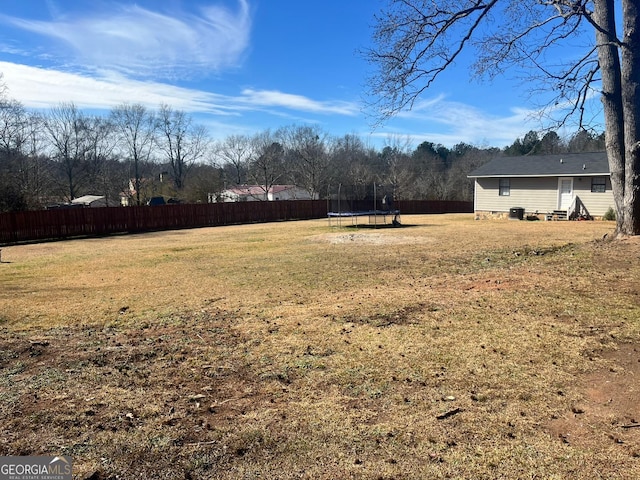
(415, 207)
(84, 222)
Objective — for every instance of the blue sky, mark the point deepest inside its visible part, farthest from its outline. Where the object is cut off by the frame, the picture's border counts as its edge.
(238, 67)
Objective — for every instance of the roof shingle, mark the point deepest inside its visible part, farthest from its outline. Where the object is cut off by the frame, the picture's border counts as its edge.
(560, 165)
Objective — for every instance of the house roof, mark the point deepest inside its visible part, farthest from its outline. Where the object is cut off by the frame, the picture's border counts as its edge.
(246, 190)
(87, 199)
(560, 165)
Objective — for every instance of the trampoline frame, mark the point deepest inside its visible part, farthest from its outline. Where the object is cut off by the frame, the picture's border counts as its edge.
(376, 216)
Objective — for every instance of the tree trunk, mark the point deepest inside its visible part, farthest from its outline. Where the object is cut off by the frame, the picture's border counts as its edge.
(631, 109)
(608, 57)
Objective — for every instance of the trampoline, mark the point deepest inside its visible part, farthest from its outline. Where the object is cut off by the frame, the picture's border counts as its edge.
(375, 217)
(354, 205)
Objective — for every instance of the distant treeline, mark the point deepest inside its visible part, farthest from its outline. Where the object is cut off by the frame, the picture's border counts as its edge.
(137, 153)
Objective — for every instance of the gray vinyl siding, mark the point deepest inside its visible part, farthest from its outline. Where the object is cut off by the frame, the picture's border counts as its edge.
(538, 195)
(597, 203)
(532, 194)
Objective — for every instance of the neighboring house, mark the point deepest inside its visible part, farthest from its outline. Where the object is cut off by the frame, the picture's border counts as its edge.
(93, 201)
(252, 193)
(559, 186)
(128, 196)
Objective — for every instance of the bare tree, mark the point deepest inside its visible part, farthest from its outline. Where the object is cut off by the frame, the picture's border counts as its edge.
(13, 127)
(235, 151)
(13, 136)
(105, 175)
(266, 165)
(34, 169)
(66, 128)
(398, 166)
(181, 142)
(136, 131)
(417, 40)
(309, 160)
(345, 152)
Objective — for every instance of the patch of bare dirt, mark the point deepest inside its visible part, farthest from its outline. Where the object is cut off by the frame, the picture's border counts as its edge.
(369, 239)
(610, 409)
(171, 384)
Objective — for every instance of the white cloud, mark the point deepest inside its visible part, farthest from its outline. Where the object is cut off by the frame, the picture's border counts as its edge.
(134, 55)
(449, 122)
(273, 98)
(43, 88)
(143, 43)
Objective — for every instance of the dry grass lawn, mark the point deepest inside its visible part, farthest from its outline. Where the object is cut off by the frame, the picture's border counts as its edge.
(448, 348)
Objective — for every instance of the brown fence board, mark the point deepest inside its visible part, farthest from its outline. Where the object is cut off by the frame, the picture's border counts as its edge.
(81, 222)
(410, 207)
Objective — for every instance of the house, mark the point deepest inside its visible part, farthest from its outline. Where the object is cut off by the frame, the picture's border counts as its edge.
(128, 196)
(561, 186)
(148, 189)
(251, 193)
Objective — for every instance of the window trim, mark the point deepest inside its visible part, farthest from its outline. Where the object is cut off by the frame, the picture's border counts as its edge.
(600, 187)
(504, 187)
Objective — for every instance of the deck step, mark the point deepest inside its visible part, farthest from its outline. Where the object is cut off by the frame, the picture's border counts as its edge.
(560, 214)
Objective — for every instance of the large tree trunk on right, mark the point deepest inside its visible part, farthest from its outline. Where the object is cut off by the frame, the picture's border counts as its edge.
(608, 57)
(631, 109)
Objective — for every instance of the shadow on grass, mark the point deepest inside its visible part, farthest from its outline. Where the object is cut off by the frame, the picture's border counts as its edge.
(381, 226)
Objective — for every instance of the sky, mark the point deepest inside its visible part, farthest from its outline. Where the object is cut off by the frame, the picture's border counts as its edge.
(239, 67)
